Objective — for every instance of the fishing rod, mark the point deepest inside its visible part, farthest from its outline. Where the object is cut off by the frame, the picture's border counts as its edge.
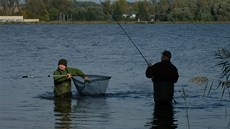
(48, 76)
(44, 76)
(125, 33)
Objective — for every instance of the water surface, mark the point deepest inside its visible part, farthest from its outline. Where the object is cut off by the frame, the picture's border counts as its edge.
(103, 49)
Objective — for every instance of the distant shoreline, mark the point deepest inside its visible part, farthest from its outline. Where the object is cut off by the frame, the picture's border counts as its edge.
(121, 22)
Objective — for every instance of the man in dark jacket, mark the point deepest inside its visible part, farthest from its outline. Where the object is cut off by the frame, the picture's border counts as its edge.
(164, 74)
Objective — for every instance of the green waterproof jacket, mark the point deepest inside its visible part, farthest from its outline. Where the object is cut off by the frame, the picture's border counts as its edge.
(62, 84)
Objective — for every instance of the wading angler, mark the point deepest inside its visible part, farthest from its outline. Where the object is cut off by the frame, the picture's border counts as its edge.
(163, 74)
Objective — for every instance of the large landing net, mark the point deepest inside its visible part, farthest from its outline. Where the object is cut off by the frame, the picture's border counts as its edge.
(97, 84)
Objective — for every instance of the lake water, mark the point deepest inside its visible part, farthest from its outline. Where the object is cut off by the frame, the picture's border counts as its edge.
(103, 49)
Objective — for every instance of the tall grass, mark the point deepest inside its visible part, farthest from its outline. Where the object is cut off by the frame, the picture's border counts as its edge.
(186, 107)
(223, 58)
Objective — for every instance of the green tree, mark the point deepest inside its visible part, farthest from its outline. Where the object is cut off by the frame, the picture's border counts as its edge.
(143, 8)
(36, 9)
(106, 9)
(192, 4)
(204, 11)
(9, 7)
(180, 11)
(88, 12)
(119, 8)
(53, 13)
(94, 14)
(162, 10)
(62, 5)
(80, 14)
(220, 10)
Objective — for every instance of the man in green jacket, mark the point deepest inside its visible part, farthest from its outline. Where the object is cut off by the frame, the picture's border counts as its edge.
(62, 83)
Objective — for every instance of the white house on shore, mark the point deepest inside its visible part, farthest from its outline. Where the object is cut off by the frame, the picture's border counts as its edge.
(16, 19)
(132, 16)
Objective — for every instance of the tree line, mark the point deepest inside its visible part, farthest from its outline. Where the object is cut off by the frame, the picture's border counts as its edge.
(147, 10)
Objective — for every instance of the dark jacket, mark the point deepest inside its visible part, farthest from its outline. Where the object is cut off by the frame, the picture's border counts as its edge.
(164, 74)
(163, 71)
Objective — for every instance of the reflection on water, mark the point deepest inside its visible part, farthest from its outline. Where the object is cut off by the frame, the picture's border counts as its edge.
(93, 109)
(163, 117)
(81, 112)
(62, 109)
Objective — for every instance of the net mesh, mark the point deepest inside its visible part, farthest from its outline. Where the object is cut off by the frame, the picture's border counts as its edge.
(97, 84)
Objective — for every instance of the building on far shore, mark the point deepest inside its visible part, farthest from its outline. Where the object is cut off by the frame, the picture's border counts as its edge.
(16, 19)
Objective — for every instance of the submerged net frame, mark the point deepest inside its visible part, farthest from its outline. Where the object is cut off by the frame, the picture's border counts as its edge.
(95, 86)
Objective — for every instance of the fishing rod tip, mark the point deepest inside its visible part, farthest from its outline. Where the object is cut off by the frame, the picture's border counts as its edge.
(27, 76)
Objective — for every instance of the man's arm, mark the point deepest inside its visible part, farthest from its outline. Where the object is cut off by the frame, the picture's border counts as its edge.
(75, 71)
(149, 71)
(59, 79)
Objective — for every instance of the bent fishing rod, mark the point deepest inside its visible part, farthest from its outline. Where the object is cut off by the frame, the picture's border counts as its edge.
(125, 33)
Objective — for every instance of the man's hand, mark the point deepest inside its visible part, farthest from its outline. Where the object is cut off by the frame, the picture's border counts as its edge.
(86, 78)
(150, 65)
(69, 76)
